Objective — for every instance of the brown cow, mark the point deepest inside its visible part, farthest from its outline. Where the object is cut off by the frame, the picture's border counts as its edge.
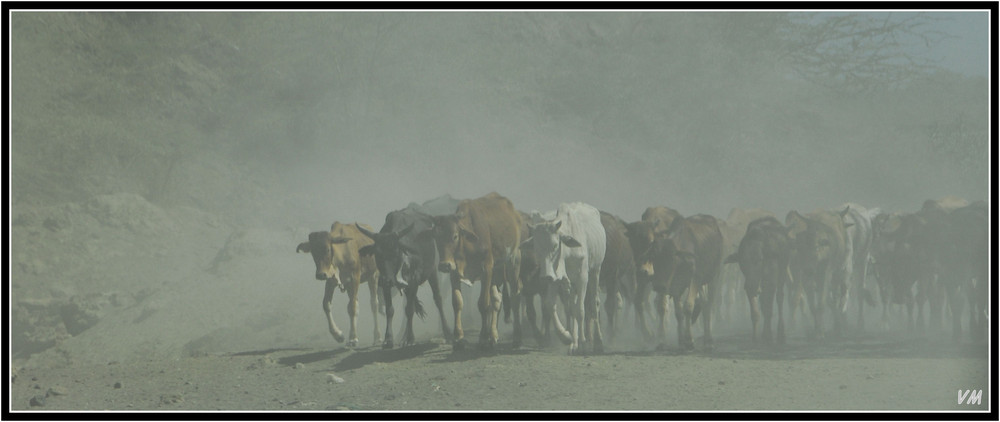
(481, 242)
(763, 256)
(686, 264)
(819, 260)
(337, 261)
(618, 270)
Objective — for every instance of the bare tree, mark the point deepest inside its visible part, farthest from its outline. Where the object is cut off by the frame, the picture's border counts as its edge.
(861, 52)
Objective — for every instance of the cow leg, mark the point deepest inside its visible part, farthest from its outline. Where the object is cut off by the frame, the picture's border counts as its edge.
(661, 313)
(779, 292)
(592, 312)
(456, 304)
(411, 307)
(816, 298)
(331, 286)
(389, 311)
(957, 307)
(352, 306)
(514, 291)
(767, 307)
(641, 302)
(612, 305)
(753, 299)
(488, 309)
(683, 325)
(436, 291)
(373, 290)
(712, 290)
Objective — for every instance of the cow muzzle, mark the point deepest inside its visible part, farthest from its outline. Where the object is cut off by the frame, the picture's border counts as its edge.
(322, 276)
(446, 267)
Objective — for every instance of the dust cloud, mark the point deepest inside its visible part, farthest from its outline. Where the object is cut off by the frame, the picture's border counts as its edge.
(272, 125)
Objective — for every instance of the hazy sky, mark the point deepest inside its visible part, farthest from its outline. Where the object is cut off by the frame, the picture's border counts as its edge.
(968, 53)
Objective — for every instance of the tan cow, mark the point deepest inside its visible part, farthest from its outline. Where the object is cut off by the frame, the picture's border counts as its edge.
(481, 242)
(337, 261)
(819, 261)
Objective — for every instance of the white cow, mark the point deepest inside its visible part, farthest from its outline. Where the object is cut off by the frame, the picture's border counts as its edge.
(569, 249)
(858, 225)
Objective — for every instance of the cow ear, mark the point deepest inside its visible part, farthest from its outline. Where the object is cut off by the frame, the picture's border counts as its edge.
(469, 235)
(796, 222)
(339, 240)
(405, 231)
(892, 223)
(674, 226)
(558, 224)
(303, 247)
(569, 241)
(844, 212)
(731, 259)
(367, 250)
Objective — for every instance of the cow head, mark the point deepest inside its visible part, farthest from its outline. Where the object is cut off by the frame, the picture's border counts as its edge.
(810, 243)
(454, 241)
(321, 245)
(390, 254)
(547, 243)
(641, 237)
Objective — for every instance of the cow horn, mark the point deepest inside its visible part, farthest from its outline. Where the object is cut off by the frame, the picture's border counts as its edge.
(365, 231)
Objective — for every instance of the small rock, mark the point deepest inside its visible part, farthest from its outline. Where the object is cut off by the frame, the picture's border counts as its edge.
(389, 397)
(843, 387)
(869, 377)
(171, 399)
(493, 387)
(118, 384)
(37, 401)
(56, 391)
(299, 365)
(722, 383)
(522, 384)
(334, 379)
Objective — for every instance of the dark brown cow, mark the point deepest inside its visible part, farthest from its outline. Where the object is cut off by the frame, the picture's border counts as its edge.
(733, 228)
(531, 288)
(481, 242)
(337, 261)
(968, 268)
(641, 236)
(819, 260)
(896, 264)
(937, 252)
(763, 255)
(618, 270)
(686, 264)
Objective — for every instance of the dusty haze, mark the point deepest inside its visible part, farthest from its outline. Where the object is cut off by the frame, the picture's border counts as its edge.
(165, 165)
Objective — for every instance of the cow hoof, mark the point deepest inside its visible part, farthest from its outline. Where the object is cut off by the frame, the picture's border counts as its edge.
(662, 347)
(353, 343)
(459, 345)
(387, 345)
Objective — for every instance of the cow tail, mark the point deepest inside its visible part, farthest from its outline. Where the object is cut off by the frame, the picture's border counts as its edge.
(418, 307)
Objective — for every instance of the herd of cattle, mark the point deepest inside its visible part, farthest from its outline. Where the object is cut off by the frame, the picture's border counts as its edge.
(936, 256)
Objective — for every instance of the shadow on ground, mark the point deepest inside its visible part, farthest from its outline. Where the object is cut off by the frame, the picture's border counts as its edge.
(359, 359)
